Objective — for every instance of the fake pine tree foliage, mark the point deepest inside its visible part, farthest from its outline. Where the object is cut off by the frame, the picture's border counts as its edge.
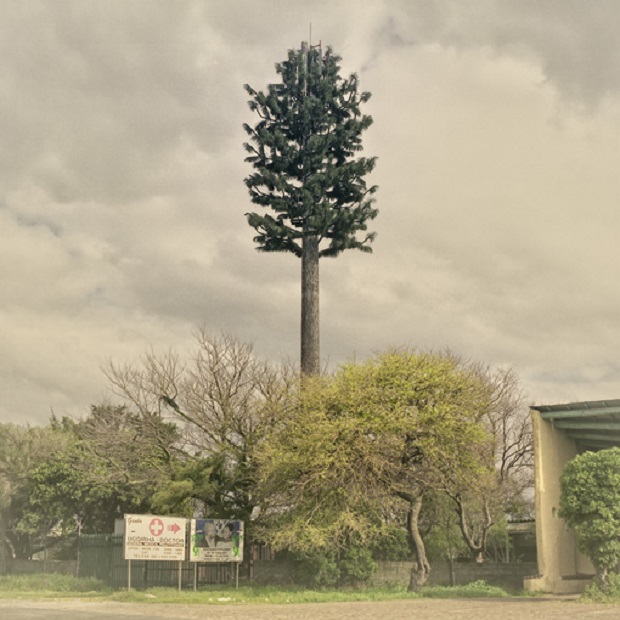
(307, 174)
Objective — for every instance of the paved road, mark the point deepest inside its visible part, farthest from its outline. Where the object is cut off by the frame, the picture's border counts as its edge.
(424, 609)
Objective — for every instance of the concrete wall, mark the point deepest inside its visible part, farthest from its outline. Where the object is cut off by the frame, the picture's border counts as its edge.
(507, 576)
(280, 572)
(561, 567)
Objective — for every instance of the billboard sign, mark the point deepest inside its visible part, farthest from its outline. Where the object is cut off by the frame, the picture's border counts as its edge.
(216, 540)
(148, 537)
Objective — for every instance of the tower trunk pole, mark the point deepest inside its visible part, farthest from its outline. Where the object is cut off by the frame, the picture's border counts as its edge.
(310, 335)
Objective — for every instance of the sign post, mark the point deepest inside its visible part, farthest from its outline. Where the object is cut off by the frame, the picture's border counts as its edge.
(216, 540)
(149, 537)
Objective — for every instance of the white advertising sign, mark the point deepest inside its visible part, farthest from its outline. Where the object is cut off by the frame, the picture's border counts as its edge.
(148, 537)
(216, 540)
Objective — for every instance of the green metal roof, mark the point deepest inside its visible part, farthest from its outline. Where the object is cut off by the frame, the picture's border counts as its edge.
(593, 424)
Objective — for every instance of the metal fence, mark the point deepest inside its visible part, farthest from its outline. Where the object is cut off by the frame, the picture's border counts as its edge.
(101, 556)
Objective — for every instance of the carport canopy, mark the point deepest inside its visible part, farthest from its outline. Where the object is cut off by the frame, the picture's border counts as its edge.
(594, 425)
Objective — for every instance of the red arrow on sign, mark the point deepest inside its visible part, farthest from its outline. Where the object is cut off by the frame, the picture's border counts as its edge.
(175, 527)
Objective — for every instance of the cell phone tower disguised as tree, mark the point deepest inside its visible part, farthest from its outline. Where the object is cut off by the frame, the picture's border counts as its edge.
(304, 150)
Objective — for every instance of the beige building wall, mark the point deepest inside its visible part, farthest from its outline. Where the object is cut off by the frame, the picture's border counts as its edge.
(560, 564)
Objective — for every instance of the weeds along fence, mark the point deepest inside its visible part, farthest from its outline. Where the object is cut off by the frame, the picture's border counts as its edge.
(101, 557)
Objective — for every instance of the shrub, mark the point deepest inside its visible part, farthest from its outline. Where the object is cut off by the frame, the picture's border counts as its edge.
(590, 503)
(393, 546)
(603, 592)
(318, 569)
(324, 569)
(356, 566)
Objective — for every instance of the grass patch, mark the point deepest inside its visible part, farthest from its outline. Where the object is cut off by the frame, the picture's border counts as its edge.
(476, 589)
(290, 594)
(51, 585)
(247, 594)
(62, 586)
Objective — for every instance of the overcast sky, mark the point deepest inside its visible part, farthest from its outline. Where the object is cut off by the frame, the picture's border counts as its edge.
(497, 131)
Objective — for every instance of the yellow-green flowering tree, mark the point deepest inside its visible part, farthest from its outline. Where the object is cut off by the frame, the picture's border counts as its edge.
(363, 444)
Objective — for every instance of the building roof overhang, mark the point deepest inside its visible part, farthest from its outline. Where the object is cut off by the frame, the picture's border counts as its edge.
(594, 425)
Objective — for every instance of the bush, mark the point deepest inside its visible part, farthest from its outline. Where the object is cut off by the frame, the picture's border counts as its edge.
(318, 569)
(356, 566)
(393, 546)
(599, 592)
(590, 503)
(323, 569)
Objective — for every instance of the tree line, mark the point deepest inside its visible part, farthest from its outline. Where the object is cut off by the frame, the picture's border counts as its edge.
(408, 454)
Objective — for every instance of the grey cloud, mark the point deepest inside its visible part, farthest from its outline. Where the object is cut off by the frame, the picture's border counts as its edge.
(121, 185)
(575, 42)
(100, 93)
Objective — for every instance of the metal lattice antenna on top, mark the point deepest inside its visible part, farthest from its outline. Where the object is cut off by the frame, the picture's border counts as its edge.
(305, 48)
(319, 46)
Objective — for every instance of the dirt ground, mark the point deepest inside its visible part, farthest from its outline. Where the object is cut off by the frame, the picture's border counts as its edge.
(422, 609)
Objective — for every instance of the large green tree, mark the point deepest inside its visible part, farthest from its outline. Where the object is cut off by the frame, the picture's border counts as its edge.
(22, 449)
(79, 475)
(113, 463)
(307, 173)
(590, 503)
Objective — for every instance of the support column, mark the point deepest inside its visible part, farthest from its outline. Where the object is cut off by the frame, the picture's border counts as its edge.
(555, 542)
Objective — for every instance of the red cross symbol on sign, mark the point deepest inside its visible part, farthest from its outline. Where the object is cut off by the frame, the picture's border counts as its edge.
(156, 527)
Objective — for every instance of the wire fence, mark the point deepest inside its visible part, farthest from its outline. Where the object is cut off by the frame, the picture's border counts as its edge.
(101, 557)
